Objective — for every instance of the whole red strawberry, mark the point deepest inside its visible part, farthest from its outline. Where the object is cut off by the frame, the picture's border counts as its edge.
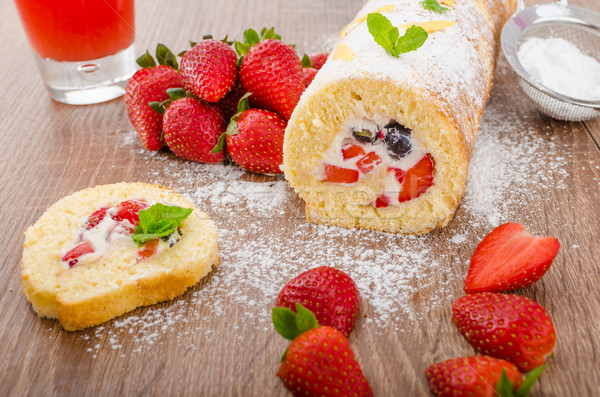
(478, 376)
(509, 258)
(506, 326)
(319, 361)
(329, 293)
(258, 144)
(308, 75)
(272, 72)
(318, 59)
(192, 128)
(209, 69)
(145, 86)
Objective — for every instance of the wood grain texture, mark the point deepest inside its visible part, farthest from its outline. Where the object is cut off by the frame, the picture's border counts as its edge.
(52, 150)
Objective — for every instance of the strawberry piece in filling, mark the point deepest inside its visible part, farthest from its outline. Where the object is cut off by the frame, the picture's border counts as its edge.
(148, 249)
(417, 179)
(95, 218)
(72, 257)
(335, 174)
(350, 151)
(368, 162)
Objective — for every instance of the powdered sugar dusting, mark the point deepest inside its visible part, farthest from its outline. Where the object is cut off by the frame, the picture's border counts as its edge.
(265, 240)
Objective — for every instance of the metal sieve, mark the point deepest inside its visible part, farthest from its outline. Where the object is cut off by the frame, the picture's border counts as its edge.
(578, 25)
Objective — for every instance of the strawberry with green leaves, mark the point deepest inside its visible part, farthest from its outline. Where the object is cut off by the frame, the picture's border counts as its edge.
(254, 139)
(192, 127)
(479, 376)
(318, 59)
(319, 361)
(272, 71)
(328, 292)
(308, 71)
(209, 69)
(509, 258)
(147, 85)
(506, 326)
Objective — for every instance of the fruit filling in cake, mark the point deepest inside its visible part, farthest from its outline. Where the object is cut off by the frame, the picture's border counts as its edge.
(110, 227)
(365, 145)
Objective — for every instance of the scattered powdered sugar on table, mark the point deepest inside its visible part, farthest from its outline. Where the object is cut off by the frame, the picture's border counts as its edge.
(265, 241)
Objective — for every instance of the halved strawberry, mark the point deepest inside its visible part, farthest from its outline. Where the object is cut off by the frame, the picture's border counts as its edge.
(71, 257)
(335, 174)
(509, 258)
(416, 180)
(350, 151)
(368, 162)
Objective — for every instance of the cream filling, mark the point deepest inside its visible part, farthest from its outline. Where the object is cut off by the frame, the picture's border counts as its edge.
(333, 155)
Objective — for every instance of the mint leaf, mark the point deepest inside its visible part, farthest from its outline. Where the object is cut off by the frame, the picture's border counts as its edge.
(414, 38)
(434, 6)
(388, 36)
(159, 221)
(381, 29)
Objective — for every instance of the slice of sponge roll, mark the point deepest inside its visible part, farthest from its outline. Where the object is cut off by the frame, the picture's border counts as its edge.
(118, 275)
(382, 142)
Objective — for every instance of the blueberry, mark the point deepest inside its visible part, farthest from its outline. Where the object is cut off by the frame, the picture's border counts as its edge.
(396, 138)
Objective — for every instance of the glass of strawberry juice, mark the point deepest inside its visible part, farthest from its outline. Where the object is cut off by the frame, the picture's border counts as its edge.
(84, 49)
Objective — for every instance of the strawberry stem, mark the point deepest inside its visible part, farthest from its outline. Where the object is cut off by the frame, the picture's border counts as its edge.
(306, 62)
(146, 61)
(289, 324)
(166, 57)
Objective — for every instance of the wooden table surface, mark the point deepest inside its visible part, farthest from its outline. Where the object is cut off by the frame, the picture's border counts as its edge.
(216, 339)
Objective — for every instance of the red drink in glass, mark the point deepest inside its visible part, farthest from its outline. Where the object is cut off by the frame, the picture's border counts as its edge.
(81, 45)
(77, 30)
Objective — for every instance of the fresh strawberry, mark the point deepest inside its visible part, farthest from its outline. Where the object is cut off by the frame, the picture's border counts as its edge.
(318, 60)
(209, 69)
(334, 174)
(192, 128)
(255, 141)
(272, 71)
(72, 257)
(308, 75)
(350, 151)
(506, 326)
(149, 85)
(95, 218)
(478, 376)
(368, 162)
(130, 210)
(509, 258)
(229, 104)
(319, 361)
(329, 293)
(145, 86)
(416, 180)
